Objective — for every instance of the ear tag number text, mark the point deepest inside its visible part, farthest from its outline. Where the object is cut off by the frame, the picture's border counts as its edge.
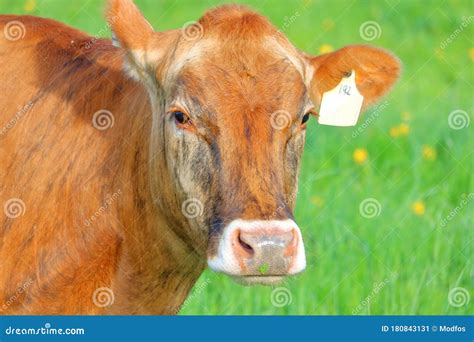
(341, 106)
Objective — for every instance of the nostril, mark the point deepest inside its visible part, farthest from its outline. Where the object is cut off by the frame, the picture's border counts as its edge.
(244, 245)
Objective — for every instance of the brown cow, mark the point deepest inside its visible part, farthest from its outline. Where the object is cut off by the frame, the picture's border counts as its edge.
(123, 170)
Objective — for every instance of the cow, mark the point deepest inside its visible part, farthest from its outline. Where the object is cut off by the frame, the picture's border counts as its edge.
(129, 165)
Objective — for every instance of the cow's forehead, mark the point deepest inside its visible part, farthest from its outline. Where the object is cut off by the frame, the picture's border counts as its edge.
(238, 47)
(263, 74)
(240, 30)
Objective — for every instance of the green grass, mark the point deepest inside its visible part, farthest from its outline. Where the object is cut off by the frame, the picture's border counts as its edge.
(411, 259)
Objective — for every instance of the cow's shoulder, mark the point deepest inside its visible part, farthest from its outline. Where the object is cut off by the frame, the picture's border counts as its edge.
(49, 268)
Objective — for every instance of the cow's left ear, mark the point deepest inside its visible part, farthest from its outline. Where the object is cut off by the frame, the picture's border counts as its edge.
(132, 32)
(376, 71)
(143, 46)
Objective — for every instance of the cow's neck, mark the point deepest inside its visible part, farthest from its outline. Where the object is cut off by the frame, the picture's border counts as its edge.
(158, 267)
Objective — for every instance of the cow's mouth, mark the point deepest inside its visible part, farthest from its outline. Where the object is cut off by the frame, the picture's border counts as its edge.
(259, 279)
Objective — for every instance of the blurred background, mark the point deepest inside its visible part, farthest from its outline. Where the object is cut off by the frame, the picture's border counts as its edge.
(385, 207)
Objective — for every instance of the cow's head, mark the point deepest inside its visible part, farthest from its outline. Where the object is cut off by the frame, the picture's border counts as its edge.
(231, 98)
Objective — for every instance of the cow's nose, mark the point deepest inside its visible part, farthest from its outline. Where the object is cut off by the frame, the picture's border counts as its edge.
(259, 248)
(265, 251)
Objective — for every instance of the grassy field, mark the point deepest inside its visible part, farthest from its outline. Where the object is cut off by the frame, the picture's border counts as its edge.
(411, 156)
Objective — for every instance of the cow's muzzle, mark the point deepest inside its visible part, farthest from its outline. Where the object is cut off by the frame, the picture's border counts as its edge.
(259, 251)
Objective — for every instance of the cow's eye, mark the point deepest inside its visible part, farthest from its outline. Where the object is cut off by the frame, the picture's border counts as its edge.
(305, 118)
(180, 117)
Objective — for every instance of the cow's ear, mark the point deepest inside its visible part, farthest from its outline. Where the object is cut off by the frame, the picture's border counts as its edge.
(376, 70)
(134, 34)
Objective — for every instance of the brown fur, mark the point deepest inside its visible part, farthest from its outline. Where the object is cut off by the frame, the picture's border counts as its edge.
(62, 186)
(64, 169)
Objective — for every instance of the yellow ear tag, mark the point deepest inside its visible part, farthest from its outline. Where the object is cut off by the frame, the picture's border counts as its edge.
(341, 105)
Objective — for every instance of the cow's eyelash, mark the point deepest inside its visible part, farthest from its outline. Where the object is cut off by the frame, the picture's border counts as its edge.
(180, 116)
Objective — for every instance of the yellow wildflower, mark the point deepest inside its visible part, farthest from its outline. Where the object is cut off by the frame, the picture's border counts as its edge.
(418, 208)
(29, 5)
(471, 53)
(325, 48)
(429, 153)
(360, 155)
(394, 131)
(404, 129)
(328, 24)
(317, 201)
(406, 116)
